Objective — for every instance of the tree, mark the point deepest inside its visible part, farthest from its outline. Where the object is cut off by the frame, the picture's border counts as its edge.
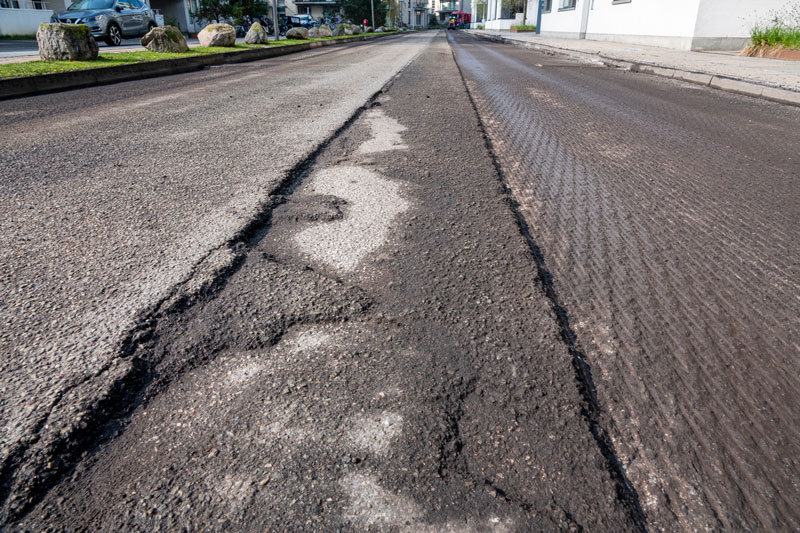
(248, 10)
(393, 11)
(215, 10)
(358, 10)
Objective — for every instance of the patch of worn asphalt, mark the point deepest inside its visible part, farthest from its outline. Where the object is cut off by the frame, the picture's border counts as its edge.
(425, 389)
(118, 198)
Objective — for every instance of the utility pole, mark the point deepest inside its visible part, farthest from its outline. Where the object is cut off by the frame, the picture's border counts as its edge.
(275, 19)
(539, 17)
(372, 7)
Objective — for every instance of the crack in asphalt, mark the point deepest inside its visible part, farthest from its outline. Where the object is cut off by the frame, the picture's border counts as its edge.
(591, 410)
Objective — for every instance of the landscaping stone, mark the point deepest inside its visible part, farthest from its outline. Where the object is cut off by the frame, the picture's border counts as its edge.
(325, 31)
(341, 29)
(297, 33)
(368, 29)
(256, 34)
(217, 35)
(165, 39)
(356, 29)
(66, 42)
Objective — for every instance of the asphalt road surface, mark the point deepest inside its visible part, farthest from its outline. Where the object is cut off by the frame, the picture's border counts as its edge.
(667, 219)
(116, 199)
(378, 355)
(405, 285)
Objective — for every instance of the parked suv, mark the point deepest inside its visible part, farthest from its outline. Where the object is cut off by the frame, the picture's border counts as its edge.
(110, 20)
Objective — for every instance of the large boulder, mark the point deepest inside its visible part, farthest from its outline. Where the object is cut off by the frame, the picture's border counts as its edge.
(256, 34)
(297, 33)
(325, 31)
(217, 35)
(368, 29)
(165, 39)
(356, 29)
(313, 33)
(66, 42)
(341, 30)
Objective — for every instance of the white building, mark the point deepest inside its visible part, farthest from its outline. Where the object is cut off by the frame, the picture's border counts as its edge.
(412, 14)
(22, 17)
(681, 24)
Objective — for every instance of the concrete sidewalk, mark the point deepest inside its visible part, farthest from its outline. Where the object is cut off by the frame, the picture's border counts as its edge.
(772, 79)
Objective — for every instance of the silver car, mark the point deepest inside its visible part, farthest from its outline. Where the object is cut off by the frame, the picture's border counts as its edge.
(110, 20)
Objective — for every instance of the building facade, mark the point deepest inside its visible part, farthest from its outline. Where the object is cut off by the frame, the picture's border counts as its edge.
(681, 24)
(22, 17)
(411, 14)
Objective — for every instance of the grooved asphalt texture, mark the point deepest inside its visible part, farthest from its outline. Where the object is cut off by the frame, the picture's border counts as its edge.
(425, 388)
(668, 217)
(115, 197)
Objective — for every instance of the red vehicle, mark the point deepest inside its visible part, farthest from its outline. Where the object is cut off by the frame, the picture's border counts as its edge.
(459, 20)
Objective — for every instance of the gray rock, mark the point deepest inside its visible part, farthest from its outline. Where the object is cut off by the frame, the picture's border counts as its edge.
(297, 33)
(66, 42)
(313, 33)
(368, 29)
(217, 35)
(165, 39)
(256, 34)
(356, 29)
(340, 30)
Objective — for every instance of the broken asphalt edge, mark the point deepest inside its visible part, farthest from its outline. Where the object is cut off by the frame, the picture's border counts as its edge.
(742, 86)
(76, 79)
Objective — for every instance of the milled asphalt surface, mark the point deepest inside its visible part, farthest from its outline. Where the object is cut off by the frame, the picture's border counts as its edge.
(667, 218)
(770, 72)
(117, 199)
(414, 380)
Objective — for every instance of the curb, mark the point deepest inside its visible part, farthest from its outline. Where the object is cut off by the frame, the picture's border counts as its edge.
(716, 81)
(75, 79)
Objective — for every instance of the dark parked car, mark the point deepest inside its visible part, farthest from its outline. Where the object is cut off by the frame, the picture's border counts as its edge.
(110, 20)
(300, 21)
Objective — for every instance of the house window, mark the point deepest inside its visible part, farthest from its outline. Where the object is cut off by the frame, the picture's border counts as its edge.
(567, 4)
(548, 6)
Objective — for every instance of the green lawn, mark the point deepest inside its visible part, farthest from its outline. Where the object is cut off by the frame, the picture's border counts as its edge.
(33, 68)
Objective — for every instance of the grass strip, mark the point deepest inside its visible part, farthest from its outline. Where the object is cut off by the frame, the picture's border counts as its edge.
(777, 35)
(38, 67)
